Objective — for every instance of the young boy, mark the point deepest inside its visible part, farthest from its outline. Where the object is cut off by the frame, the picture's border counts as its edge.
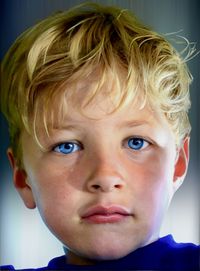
(97, 109)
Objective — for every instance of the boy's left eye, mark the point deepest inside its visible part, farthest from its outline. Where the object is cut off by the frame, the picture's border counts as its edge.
(67, 148)
(137, 143)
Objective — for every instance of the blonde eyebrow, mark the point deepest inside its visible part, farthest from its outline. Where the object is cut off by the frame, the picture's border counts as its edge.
(133, 123)
(69, 127)
(128, 124)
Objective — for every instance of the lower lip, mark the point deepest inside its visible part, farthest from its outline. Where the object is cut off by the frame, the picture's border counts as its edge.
(110, 218)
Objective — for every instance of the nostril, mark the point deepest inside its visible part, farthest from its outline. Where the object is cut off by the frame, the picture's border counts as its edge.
(118, 186)
(106, 184)
(96, 186)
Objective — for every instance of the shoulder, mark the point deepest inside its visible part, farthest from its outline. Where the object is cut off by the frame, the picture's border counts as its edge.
(7, 267)
(11, 267)
(187, 252)
(171, 245)
(164, 254)
(176, 256)
(57, 263)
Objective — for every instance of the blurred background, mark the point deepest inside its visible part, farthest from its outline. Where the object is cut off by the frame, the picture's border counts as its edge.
(24, 240)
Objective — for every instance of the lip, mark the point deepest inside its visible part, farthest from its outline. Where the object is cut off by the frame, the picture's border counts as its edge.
(100, 214)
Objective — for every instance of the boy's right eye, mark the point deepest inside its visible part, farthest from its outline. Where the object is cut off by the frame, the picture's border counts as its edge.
(67, 147)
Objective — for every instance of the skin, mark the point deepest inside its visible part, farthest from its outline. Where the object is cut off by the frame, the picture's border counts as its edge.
(103, 171)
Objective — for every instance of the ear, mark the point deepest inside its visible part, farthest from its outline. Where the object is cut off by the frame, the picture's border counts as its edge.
(181, 164)
(20, 181)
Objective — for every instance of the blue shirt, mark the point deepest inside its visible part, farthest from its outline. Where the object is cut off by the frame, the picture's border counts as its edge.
(163, 254)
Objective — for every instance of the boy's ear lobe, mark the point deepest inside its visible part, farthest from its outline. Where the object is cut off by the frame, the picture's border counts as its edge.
(20, 181)
(181, 163)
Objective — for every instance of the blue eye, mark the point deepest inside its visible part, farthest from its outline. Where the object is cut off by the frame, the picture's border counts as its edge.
(137, 143)
(67, 148)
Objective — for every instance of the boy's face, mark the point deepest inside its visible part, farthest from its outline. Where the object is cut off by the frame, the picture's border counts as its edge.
(104, 184)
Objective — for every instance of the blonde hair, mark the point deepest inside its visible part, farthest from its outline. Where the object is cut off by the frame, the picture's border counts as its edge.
(69, 46)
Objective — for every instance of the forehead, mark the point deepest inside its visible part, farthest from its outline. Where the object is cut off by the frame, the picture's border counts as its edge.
(102, 108)
(101, 91)
(101, 85)
(98, 95)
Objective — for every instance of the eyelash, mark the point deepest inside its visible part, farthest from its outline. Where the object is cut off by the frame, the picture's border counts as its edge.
(76, 146)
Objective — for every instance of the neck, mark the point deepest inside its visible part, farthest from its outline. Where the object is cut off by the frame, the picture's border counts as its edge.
(75, 259)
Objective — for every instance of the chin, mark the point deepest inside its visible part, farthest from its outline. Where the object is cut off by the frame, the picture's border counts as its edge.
(109, 252)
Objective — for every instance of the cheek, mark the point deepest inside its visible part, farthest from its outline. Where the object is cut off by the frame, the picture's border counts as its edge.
(50, 174)
(54, 188)
(152, 180)
(57, 202)
(159, 168)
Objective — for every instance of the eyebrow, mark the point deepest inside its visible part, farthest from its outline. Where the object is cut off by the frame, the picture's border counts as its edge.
(126, 124)
(69, 127)
(133, 123)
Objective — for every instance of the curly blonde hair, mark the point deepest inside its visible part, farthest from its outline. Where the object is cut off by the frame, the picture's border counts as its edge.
(69, 46)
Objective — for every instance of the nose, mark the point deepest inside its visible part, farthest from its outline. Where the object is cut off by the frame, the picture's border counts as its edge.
(105, 177)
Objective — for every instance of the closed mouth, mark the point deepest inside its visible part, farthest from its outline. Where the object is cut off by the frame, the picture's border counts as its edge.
(101, 214)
